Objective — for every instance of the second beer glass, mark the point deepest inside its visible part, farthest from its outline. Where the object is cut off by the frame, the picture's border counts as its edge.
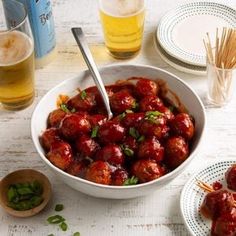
(123, 23)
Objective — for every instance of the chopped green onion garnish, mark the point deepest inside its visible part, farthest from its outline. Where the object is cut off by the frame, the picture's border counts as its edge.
(73, 110)
(152, 116)
(24, 191)
(128, 152)
(63, 226)
(24, 196)
(171, 108)
(129, 111)
(76, 234)
(56, 219)
(135, 105)
(11, 194)
(134, 133)
(36, 187)
(122, 116)
(59, 207)
(131, 181)
(141, 138)
(94, 132)
(83, 94)
(64, 108)
(35, 201)
(153, 113)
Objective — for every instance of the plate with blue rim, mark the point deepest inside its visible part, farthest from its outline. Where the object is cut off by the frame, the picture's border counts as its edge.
(192, 196)
(181, 30)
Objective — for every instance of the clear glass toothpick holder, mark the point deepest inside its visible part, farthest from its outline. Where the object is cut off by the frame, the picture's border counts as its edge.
(221, 84)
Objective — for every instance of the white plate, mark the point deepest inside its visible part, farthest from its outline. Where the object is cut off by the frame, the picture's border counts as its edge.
(177, 64)
(192, 197)
(181, 30)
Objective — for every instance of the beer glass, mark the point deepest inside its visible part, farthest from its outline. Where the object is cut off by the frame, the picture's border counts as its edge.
(16, 56)
(122, 22)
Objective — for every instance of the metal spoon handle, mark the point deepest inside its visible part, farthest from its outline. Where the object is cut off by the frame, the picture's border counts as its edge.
(80, 39)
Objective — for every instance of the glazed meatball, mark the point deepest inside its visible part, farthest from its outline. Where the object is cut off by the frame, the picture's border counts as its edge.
(83, 101)
(86, 146)
(177, 151)
(99, 172)
(74, 125)
(150, 103)
(217, 203)
(167, 113)
(119, 176)
(55, 117)
(60, 155)
(132, 119)
(112, 154)
(48, 137)
(111, 132)
(151, 149)
(230, 177)
(122, 101)
(146, 170)
(146, 87)
(77, 168)
(183, 125)
(98, 98)
(97, 119)
(225, 225)
(155, 126)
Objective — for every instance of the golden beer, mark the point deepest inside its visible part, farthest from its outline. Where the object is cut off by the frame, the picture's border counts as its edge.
(123, 32)
(16, 70)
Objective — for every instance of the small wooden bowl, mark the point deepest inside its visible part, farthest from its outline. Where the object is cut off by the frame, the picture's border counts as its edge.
(22, 176)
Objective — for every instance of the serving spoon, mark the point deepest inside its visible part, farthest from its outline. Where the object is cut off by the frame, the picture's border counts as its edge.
(80, 39)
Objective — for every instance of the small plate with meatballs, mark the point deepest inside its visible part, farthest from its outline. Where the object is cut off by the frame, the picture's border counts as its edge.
(208, 200)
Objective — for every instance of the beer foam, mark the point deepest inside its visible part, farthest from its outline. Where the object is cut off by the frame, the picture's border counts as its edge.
(15, 46)
(121, 7)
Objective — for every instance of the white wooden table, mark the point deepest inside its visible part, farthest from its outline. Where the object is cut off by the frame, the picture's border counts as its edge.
(157, 214)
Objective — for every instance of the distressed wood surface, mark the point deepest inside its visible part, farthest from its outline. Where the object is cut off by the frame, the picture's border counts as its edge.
(157, 214)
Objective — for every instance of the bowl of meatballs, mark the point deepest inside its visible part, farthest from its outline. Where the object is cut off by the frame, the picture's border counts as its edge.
(156, 131)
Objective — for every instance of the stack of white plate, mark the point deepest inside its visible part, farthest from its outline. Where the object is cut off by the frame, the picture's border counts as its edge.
(180, 33)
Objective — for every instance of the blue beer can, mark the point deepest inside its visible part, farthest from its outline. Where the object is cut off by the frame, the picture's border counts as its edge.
(42, 25)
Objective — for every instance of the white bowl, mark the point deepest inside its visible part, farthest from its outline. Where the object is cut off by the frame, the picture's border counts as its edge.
(110, 74)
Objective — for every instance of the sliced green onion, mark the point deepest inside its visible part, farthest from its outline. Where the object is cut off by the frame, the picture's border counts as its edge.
(64, 108)
(133, 132)
(24, 191)
(11, 194)
(141, 138)
(128, 152)
(59, 207)
(122, 116)
(153, 113)
(63, 226)
(56, 219)
(131, 181)
(83, 94)
(129, 111)
(36, 187)
(76, 234)
(135, 105)
(94, 132)
(35, 201)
